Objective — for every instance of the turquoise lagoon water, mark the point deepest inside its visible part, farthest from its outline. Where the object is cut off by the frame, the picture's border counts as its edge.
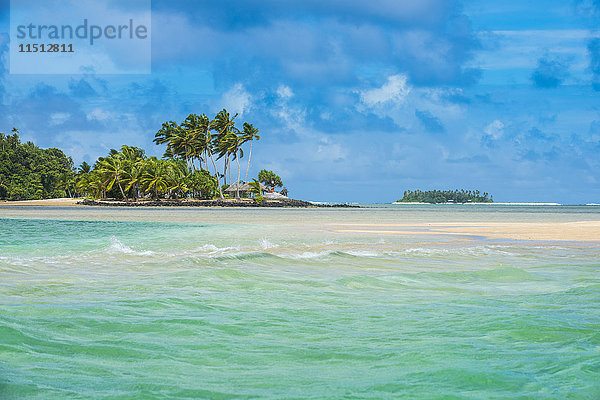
(240, 304)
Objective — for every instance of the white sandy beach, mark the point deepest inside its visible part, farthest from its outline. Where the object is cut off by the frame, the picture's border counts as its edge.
(575, 231)
(584, 231)
(62, 202)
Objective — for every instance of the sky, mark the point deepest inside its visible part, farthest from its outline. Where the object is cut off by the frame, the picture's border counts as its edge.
(356, 101)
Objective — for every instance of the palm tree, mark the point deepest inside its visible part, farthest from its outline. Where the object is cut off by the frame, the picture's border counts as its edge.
(249, 133)
(255, 187)
(112, 168)
(67, 181)
(84, 168)
(132, 177)
(133, 165)
(154, 177)
(225, 126)
(177, 173)
(234, 143)
(96, 185)
(205, 144)
(193, 125)
(165, 134)
(183, 144)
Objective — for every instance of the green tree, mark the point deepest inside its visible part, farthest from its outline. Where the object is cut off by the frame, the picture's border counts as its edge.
(255, 187)
(29, 172)
(133, 168)
(225, 128)
(269, 178)
(84, 168)
(154, 178)
(202, 184)
(113, 170)
(249, 134)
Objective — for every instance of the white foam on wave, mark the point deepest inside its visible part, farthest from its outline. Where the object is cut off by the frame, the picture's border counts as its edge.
(362, 253)
(308, 255)
(265, 244)
(317, 254)
(208, 250)
(462, 251)
(117, 246)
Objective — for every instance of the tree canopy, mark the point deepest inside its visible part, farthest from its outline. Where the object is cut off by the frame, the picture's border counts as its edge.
(269, 178)
(446, 196)
(28, 172)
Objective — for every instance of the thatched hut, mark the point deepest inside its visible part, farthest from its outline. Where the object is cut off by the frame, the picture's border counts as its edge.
(244, 189)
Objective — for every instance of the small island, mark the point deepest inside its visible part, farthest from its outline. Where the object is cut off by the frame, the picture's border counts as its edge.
(446, 196)
(200, 168)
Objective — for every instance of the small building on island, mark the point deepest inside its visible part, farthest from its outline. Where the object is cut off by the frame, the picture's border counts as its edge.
(244, 189)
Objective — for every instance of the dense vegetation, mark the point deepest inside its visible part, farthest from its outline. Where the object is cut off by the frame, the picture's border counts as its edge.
(129, 174)
(201, 139)
(28, 172)
(269, 178)
(446, 196)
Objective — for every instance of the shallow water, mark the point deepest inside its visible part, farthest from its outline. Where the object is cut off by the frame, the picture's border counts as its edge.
(238, 303)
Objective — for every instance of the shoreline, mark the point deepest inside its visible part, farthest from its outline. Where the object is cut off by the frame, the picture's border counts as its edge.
(59, 202)
(82, 202)
(582, 231)
(484, 203)
(553, 231)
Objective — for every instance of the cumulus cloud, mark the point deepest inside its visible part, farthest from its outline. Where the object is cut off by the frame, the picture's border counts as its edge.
(236, 100)
(493, 132)
(311, 42)
(284, 92)
(394, 90)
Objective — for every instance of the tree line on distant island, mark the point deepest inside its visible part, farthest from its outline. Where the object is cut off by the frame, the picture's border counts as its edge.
(446, 196)
(28, 172)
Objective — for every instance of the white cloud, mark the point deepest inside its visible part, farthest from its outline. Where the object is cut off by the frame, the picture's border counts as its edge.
(284, 92)
(394, 90)
(237, 100)
(98, 114)
(495, 130)
(331, 151)
(59, 118)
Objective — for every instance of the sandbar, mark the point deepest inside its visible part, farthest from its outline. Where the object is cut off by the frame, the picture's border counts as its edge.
(583, 231)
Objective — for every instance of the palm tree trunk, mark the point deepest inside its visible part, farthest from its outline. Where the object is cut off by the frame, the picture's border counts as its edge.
(237, 189)
(121, 189)
(249, 156)
(229, 162)
(217, 175)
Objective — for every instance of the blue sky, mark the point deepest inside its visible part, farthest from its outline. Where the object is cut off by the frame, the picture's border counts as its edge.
(355, 100)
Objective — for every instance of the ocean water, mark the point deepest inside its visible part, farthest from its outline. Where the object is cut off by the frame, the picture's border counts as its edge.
(100, 303)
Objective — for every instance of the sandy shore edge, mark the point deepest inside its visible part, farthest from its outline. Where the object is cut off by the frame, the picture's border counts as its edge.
(61, 202)
(582, 231)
